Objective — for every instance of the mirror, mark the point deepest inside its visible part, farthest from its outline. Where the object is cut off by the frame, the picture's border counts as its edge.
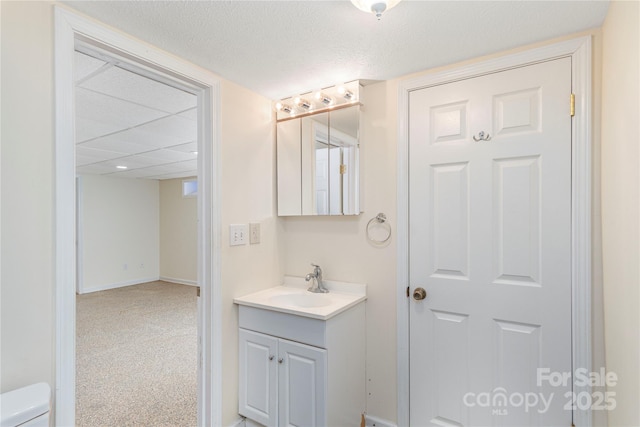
(319, 164)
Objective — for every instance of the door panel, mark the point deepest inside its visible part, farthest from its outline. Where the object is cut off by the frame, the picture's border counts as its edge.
(489, 226)
(257, 374)
(302, 385)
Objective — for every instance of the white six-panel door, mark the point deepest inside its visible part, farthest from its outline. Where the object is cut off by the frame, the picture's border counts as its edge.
(490, 242)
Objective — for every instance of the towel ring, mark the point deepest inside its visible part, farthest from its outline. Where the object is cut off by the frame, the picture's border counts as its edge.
(380, 219)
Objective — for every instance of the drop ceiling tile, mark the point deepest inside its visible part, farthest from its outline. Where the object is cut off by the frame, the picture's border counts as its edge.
(151, 138)
(95, 169)
(131, 162)
(175, 175)
(88, 129)
(186, 165)
(141, 90)
(169, 156)
(188, 147)
(83, 65)
(105, 109)
(134, 173)
(184, 130)
(190, 165)
(119, 142)
(85, 155)
(191, 114)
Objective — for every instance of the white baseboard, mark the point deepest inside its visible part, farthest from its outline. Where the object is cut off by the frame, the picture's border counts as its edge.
(88, 290)
(240, 422)
(179, 281)
(372, 421)
(251, 423)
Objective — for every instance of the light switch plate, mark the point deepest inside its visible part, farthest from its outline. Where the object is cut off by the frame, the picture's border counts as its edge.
(254, 233)
(238, 234)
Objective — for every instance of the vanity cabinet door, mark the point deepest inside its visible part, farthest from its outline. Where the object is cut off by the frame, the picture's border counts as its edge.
(302, 373)
(258, 377)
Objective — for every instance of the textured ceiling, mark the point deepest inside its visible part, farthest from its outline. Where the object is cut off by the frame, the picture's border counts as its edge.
(281, 48)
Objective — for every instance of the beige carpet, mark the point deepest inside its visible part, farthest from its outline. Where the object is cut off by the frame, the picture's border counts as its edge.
(136, 356)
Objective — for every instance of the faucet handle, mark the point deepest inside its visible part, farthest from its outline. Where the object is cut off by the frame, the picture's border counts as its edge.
(315, 265)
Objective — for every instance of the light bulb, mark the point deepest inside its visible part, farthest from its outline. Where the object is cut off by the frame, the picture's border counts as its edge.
(302, 103)
(346, 94)
(280, 106)
(325, 99)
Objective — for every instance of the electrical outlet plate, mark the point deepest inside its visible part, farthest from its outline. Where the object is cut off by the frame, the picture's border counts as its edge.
(238, 234)
(254, 233)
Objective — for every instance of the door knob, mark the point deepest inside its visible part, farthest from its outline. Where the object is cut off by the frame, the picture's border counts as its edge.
(419, 294)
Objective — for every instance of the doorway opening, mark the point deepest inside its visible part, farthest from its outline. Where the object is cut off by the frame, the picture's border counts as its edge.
(72, 31)
(137, 309)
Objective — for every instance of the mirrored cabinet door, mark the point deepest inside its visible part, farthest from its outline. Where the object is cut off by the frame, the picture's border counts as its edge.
(344, 162)
(326, 178)
(315, 164)
(289, 171)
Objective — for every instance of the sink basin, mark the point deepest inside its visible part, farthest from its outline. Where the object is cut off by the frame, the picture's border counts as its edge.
(292, 297)
(302, 300)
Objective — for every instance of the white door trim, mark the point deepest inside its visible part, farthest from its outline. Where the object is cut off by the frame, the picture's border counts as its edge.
(69, 27)
(579, 50)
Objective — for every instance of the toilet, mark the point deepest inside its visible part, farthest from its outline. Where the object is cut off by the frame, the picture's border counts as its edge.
(26, 407)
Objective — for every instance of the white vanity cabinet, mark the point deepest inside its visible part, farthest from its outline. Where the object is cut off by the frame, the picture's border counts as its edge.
(303, 371)
(282, 382)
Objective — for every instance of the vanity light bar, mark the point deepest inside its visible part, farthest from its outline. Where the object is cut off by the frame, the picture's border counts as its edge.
(318, 101)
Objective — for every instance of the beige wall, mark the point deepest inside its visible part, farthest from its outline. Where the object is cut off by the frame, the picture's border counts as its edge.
(247, 173)
(620, 205)
(119, 231)
(178, 233)
(27, 195)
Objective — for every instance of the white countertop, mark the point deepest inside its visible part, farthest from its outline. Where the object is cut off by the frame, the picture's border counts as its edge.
(341, 296)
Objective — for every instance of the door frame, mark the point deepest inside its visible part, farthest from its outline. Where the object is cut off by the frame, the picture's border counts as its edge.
(579, 50)
(70, 27)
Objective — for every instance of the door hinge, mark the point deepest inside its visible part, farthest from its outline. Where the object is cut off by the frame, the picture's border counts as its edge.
(407, 292)
(572, 105)
(343, 169)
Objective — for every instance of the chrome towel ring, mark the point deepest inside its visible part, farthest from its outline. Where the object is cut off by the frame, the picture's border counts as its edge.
(379, 220)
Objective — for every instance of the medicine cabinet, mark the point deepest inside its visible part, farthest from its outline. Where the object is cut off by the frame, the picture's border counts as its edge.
(318, 163)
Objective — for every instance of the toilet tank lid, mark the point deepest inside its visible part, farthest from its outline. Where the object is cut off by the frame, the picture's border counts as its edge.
(23, 404)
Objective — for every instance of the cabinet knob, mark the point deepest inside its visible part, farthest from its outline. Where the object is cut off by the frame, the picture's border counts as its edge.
(271, 357)
(280, 360)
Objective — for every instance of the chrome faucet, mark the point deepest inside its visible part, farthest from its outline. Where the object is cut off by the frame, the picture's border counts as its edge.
(317, 275)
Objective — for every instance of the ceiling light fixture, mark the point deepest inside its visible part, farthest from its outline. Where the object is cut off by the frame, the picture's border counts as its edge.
(322, 99)
(377, 7)
(121, 167)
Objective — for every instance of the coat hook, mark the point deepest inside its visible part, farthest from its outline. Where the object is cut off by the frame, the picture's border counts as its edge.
(482, 137)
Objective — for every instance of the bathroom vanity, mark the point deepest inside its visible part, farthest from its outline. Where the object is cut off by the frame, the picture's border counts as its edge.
(302, 355)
